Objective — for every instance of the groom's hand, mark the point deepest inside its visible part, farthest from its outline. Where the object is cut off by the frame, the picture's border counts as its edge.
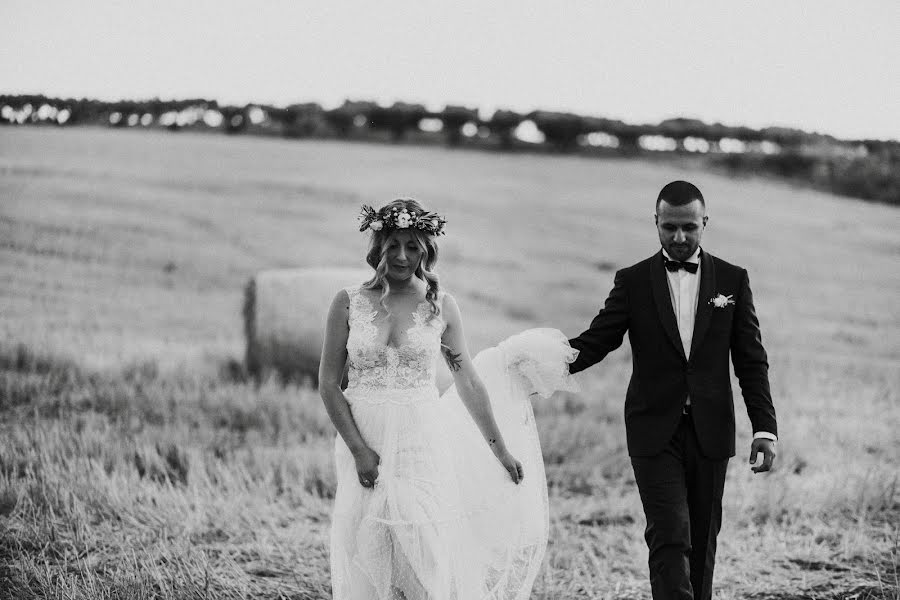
(767, 447)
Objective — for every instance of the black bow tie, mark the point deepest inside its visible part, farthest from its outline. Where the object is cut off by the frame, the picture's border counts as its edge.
(675, 265)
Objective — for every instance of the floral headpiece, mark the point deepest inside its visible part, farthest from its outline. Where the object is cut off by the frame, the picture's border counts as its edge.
(400, 218)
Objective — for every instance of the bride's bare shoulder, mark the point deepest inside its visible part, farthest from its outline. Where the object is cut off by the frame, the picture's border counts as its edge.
(341, 300)
(445, 297)
(449, 308)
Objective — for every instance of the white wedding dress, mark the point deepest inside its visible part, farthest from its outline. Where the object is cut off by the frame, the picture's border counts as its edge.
(444, 521)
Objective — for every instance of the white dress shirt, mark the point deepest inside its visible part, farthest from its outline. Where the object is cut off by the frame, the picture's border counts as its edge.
(684, 288)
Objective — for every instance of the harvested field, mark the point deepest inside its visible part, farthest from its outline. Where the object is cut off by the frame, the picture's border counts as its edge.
(137, 460)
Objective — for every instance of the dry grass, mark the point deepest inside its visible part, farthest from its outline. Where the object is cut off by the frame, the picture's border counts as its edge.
(136, 463)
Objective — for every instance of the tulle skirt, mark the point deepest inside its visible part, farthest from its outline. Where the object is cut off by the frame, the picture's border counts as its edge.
(444, 520)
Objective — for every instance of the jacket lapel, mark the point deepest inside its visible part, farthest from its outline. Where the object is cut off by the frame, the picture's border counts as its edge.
(664, 301)
(704, 308)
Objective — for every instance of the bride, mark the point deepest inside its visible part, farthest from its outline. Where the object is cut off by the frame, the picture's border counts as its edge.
(439, 497)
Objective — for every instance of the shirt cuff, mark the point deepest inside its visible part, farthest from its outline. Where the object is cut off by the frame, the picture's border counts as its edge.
(765, 435)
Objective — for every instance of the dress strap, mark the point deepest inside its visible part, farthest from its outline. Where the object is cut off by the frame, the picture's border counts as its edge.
(353, 294)
(440, 302)
(361, 309)
(442, 294)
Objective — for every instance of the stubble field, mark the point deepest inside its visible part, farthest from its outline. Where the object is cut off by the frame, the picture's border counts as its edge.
(135, 462)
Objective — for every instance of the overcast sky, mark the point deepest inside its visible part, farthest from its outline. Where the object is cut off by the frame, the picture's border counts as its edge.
(818, 65)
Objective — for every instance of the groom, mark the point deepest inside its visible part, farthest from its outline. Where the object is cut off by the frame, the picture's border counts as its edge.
(685, 311)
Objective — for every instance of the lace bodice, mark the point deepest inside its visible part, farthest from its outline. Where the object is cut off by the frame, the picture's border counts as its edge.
(374, 366)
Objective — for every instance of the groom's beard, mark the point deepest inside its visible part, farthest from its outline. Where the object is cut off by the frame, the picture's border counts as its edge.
(681, 251)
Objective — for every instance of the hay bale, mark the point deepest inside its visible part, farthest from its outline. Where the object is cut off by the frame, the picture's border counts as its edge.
(284, 318)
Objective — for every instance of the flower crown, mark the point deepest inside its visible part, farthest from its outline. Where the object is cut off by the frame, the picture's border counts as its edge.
(400, 218)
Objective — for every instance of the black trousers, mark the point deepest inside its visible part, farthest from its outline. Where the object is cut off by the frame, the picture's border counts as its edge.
(681, 491)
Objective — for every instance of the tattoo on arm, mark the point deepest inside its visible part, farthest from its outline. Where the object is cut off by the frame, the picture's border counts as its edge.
(452, 359)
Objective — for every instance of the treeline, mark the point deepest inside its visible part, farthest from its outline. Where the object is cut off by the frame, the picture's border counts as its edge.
(868, 169)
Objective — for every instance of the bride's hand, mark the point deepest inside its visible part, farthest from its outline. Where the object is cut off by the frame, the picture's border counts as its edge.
(367, 461)
(512, 466)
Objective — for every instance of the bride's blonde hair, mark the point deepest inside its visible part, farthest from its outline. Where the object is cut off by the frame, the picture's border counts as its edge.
(376, 256)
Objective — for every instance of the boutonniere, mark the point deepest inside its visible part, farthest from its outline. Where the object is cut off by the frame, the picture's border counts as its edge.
(721, 301)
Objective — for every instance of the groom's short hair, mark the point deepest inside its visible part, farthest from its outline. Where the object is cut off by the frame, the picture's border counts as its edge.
(679, 193)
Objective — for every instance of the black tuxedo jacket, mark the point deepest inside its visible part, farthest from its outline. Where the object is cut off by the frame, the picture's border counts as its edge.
(662, 376)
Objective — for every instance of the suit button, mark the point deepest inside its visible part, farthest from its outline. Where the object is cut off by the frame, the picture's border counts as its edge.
(690, 370)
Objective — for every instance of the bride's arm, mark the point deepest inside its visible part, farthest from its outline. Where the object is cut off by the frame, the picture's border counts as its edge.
(470, 387)
(331, 370)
